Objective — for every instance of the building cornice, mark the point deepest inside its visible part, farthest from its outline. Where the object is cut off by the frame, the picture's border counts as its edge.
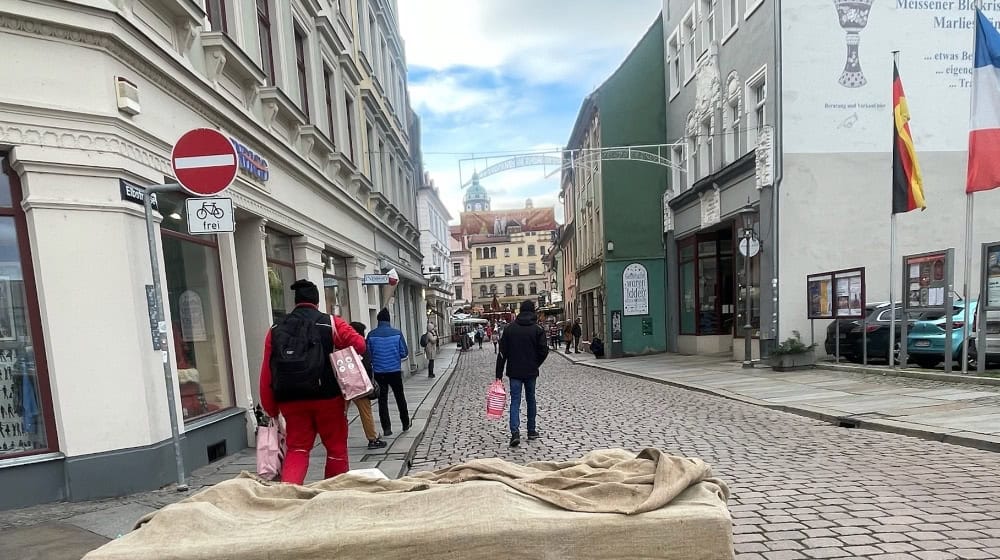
(170, 77)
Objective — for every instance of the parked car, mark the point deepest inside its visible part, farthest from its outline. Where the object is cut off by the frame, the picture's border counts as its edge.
(875, 328)
(926, 345)
(849, 350)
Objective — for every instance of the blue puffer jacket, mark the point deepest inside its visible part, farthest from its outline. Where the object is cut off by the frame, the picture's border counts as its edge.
(388, 349)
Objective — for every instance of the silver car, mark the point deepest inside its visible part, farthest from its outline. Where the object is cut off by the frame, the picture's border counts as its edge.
(992, 338)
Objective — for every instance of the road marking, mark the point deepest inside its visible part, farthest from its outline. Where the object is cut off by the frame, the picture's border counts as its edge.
(204, 161)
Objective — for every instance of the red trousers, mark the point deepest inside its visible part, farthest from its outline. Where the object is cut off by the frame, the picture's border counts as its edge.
(305, 419)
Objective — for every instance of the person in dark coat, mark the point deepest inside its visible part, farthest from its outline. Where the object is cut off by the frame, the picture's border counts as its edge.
(577, 333)
(523, 349)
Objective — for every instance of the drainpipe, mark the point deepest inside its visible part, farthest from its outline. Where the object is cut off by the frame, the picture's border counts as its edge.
(778, 164)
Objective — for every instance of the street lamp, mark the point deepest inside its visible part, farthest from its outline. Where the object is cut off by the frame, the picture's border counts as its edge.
(747, 214)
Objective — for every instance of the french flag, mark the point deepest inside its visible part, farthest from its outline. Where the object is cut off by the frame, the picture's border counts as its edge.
(984, 136)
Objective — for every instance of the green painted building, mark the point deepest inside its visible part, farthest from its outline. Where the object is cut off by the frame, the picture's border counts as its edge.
(613, 201)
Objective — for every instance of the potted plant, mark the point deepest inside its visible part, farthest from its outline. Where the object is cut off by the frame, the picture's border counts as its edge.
(793, 354)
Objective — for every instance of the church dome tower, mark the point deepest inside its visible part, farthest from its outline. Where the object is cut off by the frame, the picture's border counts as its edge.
(476, 198)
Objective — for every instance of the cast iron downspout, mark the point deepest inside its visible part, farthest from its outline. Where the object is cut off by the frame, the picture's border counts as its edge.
(778, 164)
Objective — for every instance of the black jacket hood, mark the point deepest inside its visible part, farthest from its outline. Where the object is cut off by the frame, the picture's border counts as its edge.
(527, 318)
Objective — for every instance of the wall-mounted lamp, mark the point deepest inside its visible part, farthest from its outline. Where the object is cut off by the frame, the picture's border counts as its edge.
(611, 246)
(175, 216)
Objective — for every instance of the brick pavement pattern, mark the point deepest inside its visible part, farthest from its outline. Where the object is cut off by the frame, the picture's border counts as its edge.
(801, 488)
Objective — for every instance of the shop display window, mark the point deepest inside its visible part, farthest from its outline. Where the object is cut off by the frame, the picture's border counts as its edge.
(335, 286)
(25, 426)
(280, 273)
(707, 283)
(197, 312)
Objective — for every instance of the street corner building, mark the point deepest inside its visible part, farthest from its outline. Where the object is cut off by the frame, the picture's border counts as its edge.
(312, 95)
(611, 246)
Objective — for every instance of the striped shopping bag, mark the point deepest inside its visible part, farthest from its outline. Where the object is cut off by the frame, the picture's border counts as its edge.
(496, 401)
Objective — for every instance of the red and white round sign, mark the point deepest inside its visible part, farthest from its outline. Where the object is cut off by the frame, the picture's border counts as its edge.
(204, 162)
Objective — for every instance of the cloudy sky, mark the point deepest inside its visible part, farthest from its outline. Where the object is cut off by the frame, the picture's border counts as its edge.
(494, 76)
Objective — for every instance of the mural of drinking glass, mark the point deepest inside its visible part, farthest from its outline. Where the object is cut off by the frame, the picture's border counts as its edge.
(853, 18)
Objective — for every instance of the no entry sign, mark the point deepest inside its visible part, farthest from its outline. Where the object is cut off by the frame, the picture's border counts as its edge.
(204, 162)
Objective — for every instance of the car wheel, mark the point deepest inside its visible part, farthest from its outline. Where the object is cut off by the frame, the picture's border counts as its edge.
(927, 362)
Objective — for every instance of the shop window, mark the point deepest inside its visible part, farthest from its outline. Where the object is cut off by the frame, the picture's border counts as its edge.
(197, 313)
(280, 273)
(335, 286)
(25, 414)
(707, 284)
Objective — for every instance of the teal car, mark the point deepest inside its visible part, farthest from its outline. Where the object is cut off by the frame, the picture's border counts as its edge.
(926, 344)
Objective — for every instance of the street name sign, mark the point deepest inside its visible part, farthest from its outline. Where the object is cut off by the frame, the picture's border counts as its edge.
(204, 162)
(210, 215)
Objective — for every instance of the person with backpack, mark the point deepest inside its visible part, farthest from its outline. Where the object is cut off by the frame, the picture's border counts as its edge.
(388, 350)
(523, 349)
(577, 333)
(298, 381)
(364, 404)
(429, 342)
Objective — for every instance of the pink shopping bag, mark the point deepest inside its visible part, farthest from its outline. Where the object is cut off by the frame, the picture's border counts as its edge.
(270, 450)
(351, 375)
(496, 401)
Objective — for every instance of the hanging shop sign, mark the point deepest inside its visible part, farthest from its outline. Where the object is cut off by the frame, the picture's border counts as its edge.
(836, 294)
(251, 163)
(635, 288)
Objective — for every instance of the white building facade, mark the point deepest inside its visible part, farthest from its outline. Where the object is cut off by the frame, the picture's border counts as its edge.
(312, 94)
(819, 75)
(433, 218)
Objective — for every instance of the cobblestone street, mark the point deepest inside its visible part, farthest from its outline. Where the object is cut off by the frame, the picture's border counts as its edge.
(801, 488)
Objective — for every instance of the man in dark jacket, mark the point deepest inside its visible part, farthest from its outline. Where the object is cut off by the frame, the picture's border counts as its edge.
(523, 349)
(577, 333)
(388, 350)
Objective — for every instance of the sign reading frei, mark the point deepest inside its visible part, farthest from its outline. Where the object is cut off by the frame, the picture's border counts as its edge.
(635, 288)
(210, 215)
(204, 162)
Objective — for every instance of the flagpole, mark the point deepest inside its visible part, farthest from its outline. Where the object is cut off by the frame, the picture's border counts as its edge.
(965, 288)
(891, 351)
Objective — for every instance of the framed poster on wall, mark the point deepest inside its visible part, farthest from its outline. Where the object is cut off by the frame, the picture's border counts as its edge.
(635, 289)
(820, 296)
(991, 276)
(849, 286)
(926, 280)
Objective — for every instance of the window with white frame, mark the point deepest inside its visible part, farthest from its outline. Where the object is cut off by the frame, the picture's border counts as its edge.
(677, 168)
(756, 97)
(707, 11)
(688, 38)
(705, 141)
(734, 134)
(674, 63)
(731, 16)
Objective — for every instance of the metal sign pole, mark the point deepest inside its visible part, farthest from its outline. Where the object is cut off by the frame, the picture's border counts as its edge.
(949, 311)
(836, 330)
(864, 339)
(168, 378)
(982, 310)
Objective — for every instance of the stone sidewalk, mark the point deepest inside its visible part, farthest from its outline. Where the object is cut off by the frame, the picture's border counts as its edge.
(68, 530)
(958, 412)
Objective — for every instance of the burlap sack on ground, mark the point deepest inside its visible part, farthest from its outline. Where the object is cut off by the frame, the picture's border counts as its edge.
(485, 508)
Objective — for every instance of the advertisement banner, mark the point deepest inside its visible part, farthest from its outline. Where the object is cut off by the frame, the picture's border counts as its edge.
(926, 280)
(820, 289)
(635, 287)
(836, 60)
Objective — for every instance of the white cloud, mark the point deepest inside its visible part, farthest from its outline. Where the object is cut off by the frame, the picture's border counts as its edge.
(539, 40)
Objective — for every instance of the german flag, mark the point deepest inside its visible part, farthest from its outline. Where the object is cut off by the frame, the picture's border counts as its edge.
(907, 184)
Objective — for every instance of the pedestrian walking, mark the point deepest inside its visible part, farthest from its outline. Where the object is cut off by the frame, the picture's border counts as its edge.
(523, 349)
(568, 335)
(577, 333)
(430, 343)
(364, 404)
(480, 334)
(297, 381)
(388, 350)
(495, 338)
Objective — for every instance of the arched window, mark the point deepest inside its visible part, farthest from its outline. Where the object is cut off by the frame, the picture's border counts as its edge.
(493, 288)
(508, 290)
(520, 289)
(482, 291)
(533, 288)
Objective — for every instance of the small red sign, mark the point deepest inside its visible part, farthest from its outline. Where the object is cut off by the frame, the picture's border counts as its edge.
(204, 162)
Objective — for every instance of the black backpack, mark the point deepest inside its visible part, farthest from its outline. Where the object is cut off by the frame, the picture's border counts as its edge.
(423, 340)
(300, 361)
